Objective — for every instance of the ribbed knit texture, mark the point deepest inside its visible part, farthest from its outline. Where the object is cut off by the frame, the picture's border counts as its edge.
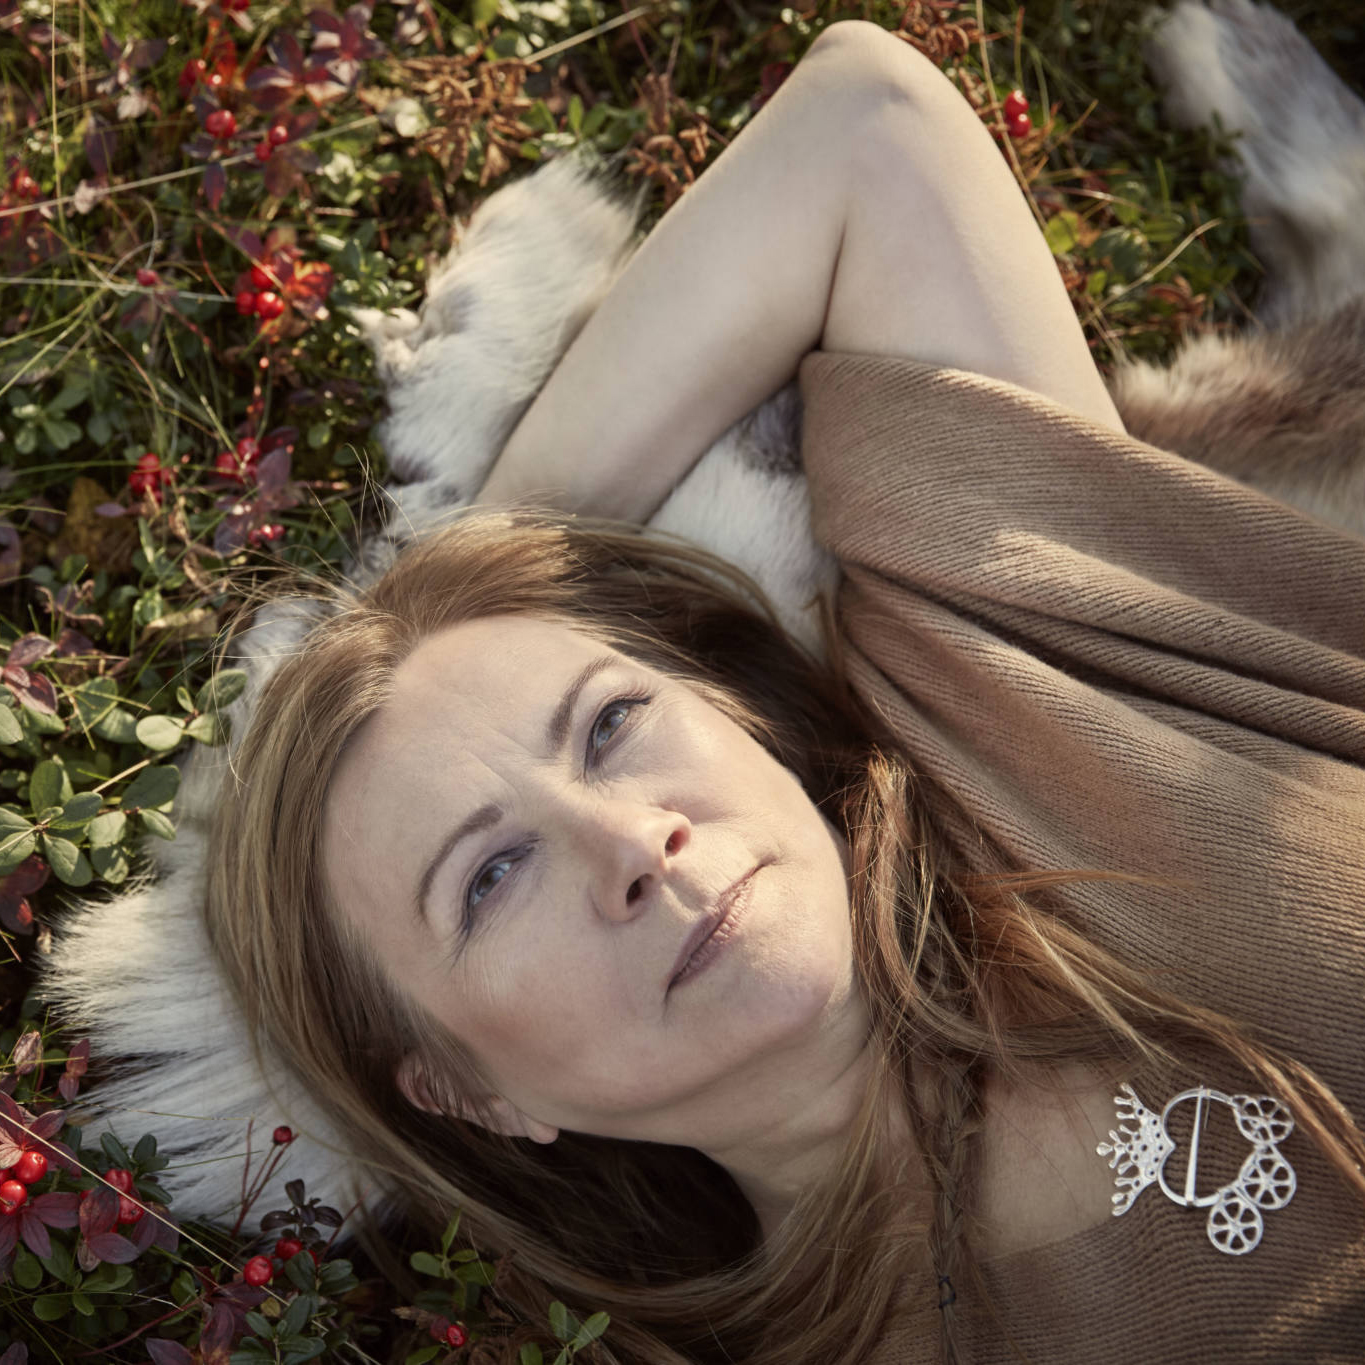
(1112, 657)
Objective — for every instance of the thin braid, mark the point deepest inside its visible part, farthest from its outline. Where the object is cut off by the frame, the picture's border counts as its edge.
(950, 1156)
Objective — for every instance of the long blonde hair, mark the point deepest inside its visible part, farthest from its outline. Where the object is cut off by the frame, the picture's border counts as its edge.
(963, 970)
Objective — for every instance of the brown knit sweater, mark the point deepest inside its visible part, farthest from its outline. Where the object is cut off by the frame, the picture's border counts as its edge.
(1116, 658)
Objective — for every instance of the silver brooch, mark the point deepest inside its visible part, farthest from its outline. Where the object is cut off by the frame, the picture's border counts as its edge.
(1139, 1149)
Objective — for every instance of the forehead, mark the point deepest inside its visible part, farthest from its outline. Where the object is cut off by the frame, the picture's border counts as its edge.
(499, 674)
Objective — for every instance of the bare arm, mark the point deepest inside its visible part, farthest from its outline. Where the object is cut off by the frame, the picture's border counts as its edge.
(863, 209)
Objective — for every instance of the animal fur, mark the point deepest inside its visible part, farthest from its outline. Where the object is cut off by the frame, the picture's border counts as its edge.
(1283, 408)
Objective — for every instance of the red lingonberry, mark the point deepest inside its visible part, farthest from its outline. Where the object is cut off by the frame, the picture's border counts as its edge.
(31, 1166)
(215, 80)
(129, 1210)
(1019, 125)
(120, 1179)
(190, 74)
(258, 1271)
(456, 1335)
(236, 6)
(288, 1247)
(12, 1197)
(249, 449)
(229, 466)
(22, 183)
(147, 278)
(265, 533)
(1015, 103)
(246, 302)
(222, 123)
(282, 1136)
(260, 279)
(265, 149)
(278, 134)
(269, 304)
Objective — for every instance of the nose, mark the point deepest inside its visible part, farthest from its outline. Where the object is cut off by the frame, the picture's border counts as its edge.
(634, 847)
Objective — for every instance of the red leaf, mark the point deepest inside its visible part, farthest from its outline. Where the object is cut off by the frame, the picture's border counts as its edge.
(215, 182)
(109, 509)
(10, 1151)
(109, 1246)
(9, 1235)
(219, 1328)
(16, 1355)
(143, 1233)
(73, 642)
(58, 1209)
(34, 1233)
(28, 1051)
(31, 874)
(32, 689)
(28, 649)
(165, 1352)
(166, 1234)
(85, 1258)
(99, 1212)
(49, 1124)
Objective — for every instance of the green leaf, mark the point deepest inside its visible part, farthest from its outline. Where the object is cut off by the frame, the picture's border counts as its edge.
(420, 1357)
(424, 1263)
(160, 732)
(561, 1321)
(591, 1330)
(448, 1236)
(11, 732)
(28, 1274)
(93, 699)
(68, 862)
(50, 1307)
(11, 822)
(115, 1150)
(59, 1264)
(221, 690)
(182, 695)
(206, 728)
(45, 787)
(62, 434)
(145, 1150)
(531, 1355)
(319, 433)
(110, 863)
(1061, 232)
(158, 823)
(107, 828)
(79, 811)
(304, 1352)
(260, 1324)
(296, 1316)
(15, 847)
(154, 786)
(82, 1305)
(576, 115)
(299, 1270)
(119, 726)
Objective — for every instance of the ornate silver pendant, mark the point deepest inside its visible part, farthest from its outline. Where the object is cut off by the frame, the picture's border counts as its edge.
(1139, 1149)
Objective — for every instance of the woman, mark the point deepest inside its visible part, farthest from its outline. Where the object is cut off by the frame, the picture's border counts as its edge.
(779, 1009)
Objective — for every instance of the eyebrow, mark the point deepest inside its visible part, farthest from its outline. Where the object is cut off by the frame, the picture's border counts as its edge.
(556, 737)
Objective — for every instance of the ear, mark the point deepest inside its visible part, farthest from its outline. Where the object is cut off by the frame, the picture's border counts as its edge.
(504, 1117)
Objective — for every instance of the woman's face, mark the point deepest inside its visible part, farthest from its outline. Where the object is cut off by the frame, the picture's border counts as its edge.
(598, 812)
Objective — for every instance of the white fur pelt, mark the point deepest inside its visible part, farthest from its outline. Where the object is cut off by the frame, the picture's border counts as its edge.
(537, 257)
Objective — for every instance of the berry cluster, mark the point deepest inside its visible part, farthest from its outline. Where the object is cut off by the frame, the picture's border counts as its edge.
(454, 1334)
(260, 1270)
(15, 1180)
(276, 137)
(262, 299)
(1017, 120)
(149, 476)
(24, 186)
(239, 465)
(129, 1210)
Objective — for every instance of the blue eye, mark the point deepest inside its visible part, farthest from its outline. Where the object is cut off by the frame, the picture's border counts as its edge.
(622, 704)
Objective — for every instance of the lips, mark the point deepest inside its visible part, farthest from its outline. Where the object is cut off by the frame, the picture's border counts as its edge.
(710, 924)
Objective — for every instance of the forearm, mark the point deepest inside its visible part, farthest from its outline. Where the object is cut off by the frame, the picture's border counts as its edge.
(709, 318)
